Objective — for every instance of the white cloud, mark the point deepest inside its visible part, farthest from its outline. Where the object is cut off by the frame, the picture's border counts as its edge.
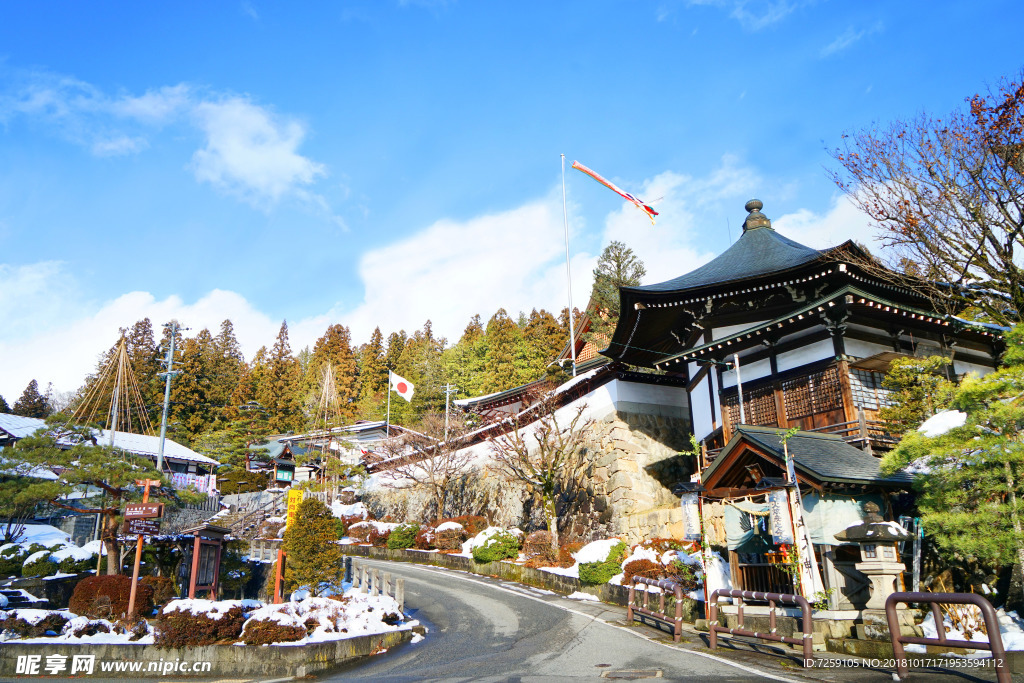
(689, 208)
(754, 15)
(842, 221)
(848, 37)
(250, 151)
(452, 270)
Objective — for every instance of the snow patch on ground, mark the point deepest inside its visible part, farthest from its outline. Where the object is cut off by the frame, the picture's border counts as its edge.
(1011, 630)
(595, 551)
(583, 596)
(214, 609)
(353, 510)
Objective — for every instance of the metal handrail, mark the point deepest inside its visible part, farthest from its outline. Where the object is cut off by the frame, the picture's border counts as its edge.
(665, 585)
(806, 641)
(995, 638)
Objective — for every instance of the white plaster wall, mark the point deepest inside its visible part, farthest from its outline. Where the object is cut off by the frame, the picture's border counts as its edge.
(960, 367)
(863, 349)
(701, 408)
(748, 372)
(808, 354)
(720, 332)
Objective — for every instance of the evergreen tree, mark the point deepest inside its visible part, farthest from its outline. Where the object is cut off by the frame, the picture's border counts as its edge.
(334, 347)
(544, 336)
(279, 387)
(396, 344)
(32, 403)
(420, 363)
(372, 372)
(227, 364)
(4, 408)
(617, 267)
(505, 358)
(191, 410)
(969, 479)
(314, 559)
(920, 389)
(464, 362)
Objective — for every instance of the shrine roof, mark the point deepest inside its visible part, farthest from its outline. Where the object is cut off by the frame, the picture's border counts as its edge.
(758, 251)
(824, 457)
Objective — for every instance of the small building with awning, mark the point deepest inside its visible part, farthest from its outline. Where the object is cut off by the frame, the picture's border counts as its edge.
(836, 480)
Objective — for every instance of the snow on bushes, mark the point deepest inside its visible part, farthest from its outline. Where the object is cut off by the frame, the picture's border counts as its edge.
(320, 619)
(600, 561)
(44, 550)
(492, 544)
(194, 623)
(403, 536)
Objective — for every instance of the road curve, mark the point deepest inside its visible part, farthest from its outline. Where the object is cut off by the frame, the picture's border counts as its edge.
(486, 630)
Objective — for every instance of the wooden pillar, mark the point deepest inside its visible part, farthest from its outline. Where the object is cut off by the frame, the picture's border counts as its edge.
(216, 569)
(195, 567)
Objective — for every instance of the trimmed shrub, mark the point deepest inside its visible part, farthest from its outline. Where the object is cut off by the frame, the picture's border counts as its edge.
(538, 546)
(11, 561)
(43, 566)
(683, 574)
(596, 573)
(565, 554)
(51, 622)
(259, 632)
(70, 565)
(360, 531)
(181, 628)
(424, 539)
(107, 596)
(403, 536)
(450, 539)
(164, 588)
(378, 538)
(500, 546)
(346, 521)
(648, 569)
(91, 628)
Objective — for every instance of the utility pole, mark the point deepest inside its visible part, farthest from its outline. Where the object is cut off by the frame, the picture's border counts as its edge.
(448, 391)
(168, 374)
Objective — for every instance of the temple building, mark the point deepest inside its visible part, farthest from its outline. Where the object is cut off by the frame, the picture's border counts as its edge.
(805, 335)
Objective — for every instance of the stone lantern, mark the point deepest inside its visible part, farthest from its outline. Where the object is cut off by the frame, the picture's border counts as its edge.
(878, 556)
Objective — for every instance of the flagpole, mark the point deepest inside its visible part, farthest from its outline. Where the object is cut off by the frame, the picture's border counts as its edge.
(387, 422)
(568, 273)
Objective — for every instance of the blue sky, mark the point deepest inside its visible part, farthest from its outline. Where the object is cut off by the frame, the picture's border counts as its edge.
(382, 163)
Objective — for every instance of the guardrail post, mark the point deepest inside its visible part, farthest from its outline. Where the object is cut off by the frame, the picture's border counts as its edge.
(995, 638)
(375, 582)
(347, 578)
(387, 585)
(713, 622)
(807, 624)
(400, 594)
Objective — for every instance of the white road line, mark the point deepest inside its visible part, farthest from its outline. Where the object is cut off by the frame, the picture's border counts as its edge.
(466, 577)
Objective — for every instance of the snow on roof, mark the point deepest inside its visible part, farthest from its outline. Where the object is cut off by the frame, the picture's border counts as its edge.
(19, 427)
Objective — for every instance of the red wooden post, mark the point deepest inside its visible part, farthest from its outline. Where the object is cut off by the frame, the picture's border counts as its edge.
(279, 578)
(196, 546)
(138, 560)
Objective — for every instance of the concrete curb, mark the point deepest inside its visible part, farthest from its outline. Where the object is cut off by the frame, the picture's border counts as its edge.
(224, 661)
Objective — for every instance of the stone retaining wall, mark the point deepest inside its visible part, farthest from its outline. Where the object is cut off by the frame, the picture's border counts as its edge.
(212, 661)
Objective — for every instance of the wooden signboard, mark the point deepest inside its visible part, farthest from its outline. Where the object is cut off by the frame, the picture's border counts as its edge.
(147, 527)
(143, 510)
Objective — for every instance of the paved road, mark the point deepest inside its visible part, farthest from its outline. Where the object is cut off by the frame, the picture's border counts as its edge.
(485, 630)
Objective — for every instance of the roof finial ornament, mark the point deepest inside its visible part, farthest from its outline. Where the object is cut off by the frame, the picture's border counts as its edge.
(755, 219)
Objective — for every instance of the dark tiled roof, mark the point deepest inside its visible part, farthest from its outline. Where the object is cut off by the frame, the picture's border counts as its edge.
(825, 456)
(757, 252)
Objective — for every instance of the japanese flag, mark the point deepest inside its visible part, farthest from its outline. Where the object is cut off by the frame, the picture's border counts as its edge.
(403, 387)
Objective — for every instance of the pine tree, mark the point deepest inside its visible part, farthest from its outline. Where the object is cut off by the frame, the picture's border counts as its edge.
(420, 363)
(32, 403)
(4, 408)
(617, 267)
(396, 344)
(314, 559)
(919, 388)
(464, 362)
(279, 387)
(544, 336)
(970, 480)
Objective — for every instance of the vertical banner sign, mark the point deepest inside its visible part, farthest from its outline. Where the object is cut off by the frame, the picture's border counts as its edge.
(294, 498)
(691, 517)
(778, 516)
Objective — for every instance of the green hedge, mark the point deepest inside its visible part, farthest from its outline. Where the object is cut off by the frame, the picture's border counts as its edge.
(596, 573)
(500, 546)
